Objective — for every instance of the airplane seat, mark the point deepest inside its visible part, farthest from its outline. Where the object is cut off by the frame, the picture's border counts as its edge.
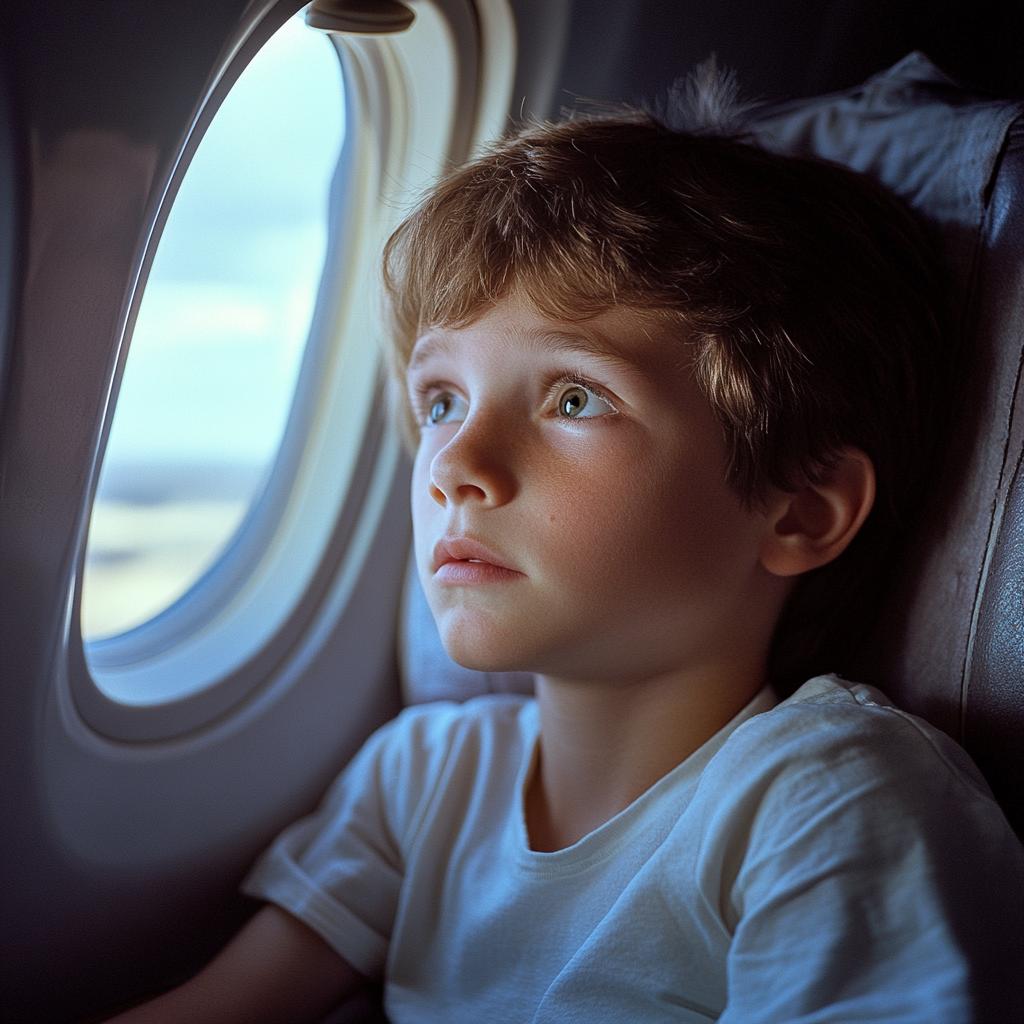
(949, 644)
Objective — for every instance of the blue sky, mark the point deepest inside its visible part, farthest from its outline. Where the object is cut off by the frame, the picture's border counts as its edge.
(226, 310)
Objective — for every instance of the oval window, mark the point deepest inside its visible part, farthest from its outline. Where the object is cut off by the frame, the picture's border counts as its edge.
(219, 337)
(206, 603)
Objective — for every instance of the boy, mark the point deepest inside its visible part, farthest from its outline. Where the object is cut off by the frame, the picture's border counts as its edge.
(653, 380)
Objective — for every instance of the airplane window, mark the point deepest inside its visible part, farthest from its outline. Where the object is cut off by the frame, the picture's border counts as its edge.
(219, 337)
(248, 469)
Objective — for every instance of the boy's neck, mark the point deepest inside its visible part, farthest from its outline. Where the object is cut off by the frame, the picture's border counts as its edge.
(604, 744)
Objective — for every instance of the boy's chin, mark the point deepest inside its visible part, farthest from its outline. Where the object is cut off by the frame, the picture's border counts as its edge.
(486, 660)
(482, 647)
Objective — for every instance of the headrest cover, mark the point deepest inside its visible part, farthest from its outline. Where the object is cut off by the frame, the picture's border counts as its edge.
(912, 128)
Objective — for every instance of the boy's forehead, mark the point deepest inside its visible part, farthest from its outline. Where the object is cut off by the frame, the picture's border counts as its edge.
(619, 333)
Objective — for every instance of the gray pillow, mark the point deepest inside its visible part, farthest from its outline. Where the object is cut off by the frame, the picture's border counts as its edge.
(915, 130)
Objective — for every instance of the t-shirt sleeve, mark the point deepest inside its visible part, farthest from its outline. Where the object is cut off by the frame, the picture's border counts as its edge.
(876, 881)
(340, 870)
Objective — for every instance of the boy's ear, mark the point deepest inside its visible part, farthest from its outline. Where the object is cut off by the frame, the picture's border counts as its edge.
(813, 526)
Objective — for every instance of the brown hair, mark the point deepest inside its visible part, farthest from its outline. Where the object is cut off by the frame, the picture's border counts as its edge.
(806, 291)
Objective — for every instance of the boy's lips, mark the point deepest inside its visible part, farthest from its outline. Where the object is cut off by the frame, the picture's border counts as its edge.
(463, 560)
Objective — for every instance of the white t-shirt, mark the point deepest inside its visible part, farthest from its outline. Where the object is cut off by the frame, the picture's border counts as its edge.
(828, 859)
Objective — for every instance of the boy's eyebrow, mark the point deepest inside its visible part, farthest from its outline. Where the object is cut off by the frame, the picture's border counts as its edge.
(599, 345)
(591, 343)
(567, 341)
(426, 346)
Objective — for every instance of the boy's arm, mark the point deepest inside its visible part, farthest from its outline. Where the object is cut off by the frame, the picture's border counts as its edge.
(275, 970)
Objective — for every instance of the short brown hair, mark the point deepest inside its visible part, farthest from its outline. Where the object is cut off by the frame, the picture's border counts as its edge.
(806, 290)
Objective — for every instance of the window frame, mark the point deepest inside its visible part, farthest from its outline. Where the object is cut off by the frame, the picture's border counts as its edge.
(211, 637)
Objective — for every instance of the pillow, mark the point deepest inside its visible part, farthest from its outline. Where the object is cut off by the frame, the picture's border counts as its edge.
(912, 128)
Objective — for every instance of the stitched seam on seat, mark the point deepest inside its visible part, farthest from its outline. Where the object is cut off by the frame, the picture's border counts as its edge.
(1001, 493)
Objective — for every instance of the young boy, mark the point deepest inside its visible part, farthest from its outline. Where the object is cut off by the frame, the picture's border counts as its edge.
(656, 383)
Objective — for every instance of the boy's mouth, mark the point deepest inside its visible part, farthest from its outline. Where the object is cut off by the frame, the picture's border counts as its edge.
(451, 553)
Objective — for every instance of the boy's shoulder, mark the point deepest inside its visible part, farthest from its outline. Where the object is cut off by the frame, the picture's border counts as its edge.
(424, 738)
(851, 724)
(447, 718)
(844, 751)
(852, 728)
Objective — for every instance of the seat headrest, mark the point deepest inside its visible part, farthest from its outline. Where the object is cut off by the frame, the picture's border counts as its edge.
(912, 128)
(950, 641)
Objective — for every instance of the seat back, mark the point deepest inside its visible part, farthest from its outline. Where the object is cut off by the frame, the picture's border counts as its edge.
(949, 644)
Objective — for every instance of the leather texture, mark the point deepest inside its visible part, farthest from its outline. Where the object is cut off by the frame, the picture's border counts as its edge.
(993, 726)
(950, 642)
(949, 645)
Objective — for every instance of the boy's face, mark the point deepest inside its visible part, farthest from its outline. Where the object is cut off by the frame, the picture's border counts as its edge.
(570, 504)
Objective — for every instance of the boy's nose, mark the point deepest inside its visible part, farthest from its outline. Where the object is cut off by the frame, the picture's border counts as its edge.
(473, 468)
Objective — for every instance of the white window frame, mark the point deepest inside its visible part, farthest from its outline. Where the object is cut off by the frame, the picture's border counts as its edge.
(408, 117)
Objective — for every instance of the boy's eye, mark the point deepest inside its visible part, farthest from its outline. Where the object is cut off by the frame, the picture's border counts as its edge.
(577, 402)
(446, 408)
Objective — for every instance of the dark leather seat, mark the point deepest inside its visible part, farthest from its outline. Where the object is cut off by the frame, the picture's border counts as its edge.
(979, 674)
(949, 644)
